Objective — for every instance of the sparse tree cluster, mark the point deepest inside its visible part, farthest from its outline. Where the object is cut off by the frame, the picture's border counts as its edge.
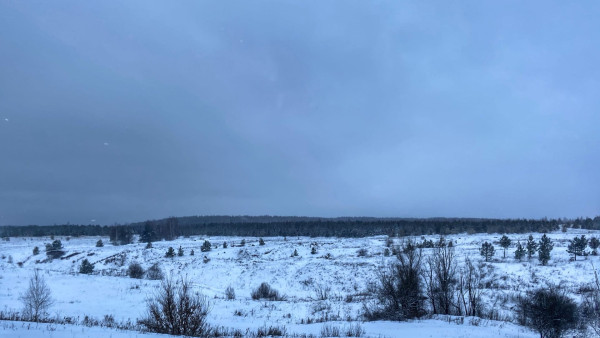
(54, 250)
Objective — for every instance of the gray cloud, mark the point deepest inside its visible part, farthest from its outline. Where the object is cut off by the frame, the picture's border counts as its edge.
(127, 111)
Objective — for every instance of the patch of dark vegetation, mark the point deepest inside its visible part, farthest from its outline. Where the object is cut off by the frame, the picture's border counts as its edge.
(265, 291)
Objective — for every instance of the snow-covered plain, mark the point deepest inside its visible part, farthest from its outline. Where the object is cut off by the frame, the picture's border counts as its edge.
(335, 269)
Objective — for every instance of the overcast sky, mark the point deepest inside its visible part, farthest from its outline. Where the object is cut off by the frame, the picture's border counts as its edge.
(116, 111)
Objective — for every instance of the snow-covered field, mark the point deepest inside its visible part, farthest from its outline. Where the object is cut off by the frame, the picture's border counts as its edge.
(336, 270)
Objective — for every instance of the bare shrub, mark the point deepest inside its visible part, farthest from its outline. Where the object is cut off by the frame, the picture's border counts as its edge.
(354, 330)
(135, 270)
(440, 278)
(351, 330)
(230, 293)
(154, 272)
(548, 311)
(400, 290)
(469, 289)
(37, 299)
(176, 310)
(322, 292)
(265, 291)
(590, 307)
(271, 331)
(329, 330)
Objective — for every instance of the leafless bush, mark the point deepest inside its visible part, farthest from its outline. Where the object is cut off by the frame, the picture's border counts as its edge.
(469, 289)
(135, 270)
(352, 330)
(154, 272)
(271, 331)
(330, 330)
(322, 292)
(37, 299)
(440, 278)
(590, 307)
(548, 311)
(265, 291)
(176, 310)
(230, 293)
(400, 290)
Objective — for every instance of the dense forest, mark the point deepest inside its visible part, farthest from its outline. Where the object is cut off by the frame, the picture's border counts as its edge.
(263, 226)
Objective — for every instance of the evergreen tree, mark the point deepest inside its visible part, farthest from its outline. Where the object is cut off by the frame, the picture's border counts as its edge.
(54, 250)
(36, 251)
(594, 244)
(148, 234)
(170, 252)
(487, 251)
(295, 253)
(520, 252)
(86, 267)
(57, 245)
(577, 246)
(261, 241)
(180, 251)
(192, 252)
(205, 246)
(504, 243)
(99, 244)
(531, 247)
(545, 247)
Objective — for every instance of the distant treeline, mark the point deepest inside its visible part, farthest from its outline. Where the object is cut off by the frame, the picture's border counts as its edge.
(265, 226)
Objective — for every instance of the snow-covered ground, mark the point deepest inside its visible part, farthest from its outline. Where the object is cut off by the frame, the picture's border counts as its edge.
(335, 269)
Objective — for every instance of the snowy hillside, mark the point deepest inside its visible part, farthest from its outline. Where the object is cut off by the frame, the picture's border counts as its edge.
(331, 285)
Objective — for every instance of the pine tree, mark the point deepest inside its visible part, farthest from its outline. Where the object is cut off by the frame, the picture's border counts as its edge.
(487, 251)
(531, 247)
(180, 251)
(86, 267)
(99, 244)
(577, 246)
(170, 252)
(520, 252)
(594, 244)
(205, 246)
(544, 249)
(295, 253)
(504, 243)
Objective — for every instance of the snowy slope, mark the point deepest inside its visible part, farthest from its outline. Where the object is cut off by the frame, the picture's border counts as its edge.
(336, 269)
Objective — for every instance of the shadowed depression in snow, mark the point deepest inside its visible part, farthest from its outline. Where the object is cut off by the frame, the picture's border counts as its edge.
(125, 111)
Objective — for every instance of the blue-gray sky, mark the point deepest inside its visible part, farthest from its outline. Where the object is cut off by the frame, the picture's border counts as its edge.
(121, 111)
